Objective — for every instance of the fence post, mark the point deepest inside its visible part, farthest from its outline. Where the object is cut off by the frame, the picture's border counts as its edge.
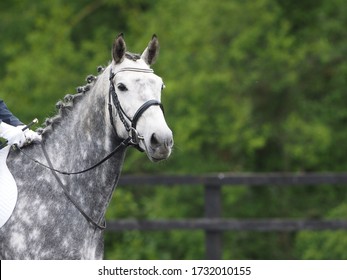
(213, 209)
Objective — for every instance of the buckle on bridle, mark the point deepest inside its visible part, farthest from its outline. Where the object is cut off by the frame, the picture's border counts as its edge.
(135, 137)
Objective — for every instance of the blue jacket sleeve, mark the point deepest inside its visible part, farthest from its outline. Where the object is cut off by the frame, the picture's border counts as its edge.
(6, 115)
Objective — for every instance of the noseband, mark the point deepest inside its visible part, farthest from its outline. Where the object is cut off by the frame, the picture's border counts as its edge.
(134, 136)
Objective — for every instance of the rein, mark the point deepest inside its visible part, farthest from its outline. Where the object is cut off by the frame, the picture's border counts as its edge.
(67, 194)
(133, 139)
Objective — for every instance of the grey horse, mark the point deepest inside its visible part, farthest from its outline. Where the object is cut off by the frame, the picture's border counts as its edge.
(60, 211)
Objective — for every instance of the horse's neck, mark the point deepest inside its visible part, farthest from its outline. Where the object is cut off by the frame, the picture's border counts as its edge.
(81, 140)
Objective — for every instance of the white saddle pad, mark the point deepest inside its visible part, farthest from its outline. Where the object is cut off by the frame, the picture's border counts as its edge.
(8, 188)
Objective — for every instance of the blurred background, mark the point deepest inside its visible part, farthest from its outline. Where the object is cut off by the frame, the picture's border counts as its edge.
(251, 86)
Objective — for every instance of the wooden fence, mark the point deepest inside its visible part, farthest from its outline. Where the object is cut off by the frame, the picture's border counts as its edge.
(212, 223)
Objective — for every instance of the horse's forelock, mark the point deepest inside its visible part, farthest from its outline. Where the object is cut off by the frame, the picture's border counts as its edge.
(132, 56)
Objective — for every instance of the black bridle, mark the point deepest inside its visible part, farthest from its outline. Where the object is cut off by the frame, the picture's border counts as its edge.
(133, 139)
(134, 136)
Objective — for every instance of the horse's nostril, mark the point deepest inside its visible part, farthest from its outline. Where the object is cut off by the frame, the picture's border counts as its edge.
(160, 141)
(170, 142)
(154, 140)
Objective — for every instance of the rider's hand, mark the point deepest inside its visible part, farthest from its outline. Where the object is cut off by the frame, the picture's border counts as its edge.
(31, 136)
(13, 134)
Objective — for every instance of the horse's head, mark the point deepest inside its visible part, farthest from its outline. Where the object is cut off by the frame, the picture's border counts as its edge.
(136, 94)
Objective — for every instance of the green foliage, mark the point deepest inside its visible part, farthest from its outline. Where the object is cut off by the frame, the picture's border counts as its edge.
(250, 86)
(325, 245)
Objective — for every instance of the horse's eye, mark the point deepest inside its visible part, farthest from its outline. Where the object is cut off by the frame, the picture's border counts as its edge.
(162, 87)
(122, 87)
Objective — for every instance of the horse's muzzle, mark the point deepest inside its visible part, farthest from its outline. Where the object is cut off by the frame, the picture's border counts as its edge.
(160, 146)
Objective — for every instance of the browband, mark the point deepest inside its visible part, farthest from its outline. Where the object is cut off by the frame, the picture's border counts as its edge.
(142, 70)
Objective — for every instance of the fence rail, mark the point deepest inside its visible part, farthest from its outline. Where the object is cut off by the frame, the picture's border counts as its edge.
(212, 223)
(228, 224)
(249, 179)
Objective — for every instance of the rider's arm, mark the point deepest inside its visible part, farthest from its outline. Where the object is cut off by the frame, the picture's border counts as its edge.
(11, 128)
(6, 115)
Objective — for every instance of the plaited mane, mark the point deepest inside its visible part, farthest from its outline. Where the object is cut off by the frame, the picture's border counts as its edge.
(66, 105)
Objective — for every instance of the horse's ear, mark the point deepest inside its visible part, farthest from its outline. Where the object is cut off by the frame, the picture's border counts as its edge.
(150, 54)
(119, 49)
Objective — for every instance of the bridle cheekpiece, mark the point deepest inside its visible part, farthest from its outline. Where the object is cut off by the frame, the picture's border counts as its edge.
(129, 124)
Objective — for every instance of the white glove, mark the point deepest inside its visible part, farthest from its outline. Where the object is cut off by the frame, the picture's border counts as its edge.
(31, 136)
(13, 134)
